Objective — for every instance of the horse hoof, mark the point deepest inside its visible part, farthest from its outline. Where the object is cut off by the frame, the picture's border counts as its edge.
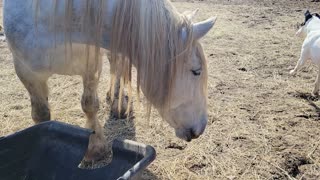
(96, 150)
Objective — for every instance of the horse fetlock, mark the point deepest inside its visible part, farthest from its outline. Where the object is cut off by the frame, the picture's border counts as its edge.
(120, 110)
(90, 104)
(91, 109)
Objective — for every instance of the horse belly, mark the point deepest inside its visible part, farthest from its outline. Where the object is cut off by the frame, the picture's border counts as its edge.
(74, 61)
(37, 47)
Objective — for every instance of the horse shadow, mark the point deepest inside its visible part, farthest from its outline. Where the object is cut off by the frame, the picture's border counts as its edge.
(310, 99)
(116, 128)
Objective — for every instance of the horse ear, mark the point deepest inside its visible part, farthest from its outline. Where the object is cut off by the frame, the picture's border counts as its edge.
(191, 15)
(202, 28)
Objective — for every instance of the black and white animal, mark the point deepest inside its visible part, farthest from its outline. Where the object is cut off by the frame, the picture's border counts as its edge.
(311, 45)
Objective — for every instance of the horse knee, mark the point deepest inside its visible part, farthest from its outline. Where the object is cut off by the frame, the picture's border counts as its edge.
(90, 104)
(38, 91)
(40, 112)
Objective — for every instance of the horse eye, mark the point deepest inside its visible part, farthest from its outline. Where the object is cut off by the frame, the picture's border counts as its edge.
(196, 72)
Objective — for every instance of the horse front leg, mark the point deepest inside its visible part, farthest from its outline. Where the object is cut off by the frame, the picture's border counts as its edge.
(36, 84)
(90, 105)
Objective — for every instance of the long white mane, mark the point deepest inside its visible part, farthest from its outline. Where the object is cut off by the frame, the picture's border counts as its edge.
(148, 34)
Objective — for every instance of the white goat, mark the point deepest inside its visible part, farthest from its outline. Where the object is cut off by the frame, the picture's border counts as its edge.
(311, 45)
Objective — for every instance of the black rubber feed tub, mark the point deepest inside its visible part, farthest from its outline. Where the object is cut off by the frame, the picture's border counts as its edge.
(53, 151)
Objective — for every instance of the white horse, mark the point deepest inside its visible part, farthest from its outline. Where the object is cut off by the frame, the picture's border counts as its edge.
(49, 37)
(311, 45)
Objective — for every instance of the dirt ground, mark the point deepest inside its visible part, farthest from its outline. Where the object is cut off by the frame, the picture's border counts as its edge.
(263, 123)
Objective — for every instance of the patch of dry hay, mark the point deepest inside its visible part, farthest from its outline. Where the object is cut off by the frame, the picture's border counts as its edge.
(263, 123)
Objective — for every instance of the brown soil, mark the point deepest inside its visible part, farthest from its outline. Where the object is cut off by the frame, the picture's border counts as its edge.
(263, 123)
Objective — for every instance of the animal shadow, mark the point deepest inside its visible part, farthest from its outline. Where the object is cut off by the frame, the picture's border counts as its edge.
(306, 96)
(124, 129)
(310, 99)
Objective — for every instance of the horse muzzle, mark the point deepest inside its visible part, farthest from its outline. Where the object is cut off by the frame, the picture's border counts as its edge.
(191, 133)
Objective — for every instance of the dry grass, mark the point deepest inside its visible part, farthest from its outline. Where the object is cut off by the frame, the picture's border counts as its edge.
(263, 123)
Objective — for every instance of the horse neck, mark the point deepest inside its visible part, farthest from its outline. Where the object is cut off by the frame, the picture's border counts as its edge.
(142, 38)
